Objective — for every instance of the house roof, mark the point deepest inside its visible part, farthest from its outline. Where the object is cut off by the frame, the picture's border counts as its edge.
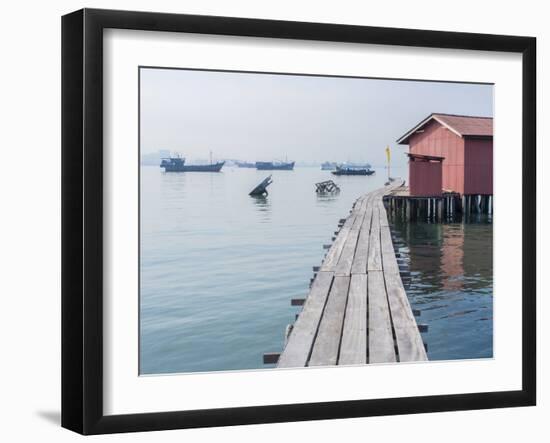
(461, 125)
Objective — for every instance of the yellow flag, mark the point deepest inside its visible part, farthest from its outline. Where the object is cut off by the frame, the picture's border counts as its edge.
(388, 154)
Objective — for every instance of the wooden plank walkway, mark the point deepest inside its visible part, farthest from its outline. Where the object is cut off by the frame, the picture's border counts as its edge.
(357, 311)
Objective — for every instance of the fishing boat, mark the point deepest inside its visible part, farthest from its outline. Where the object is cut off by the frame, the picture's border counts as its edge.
(245, 164)
(172, 164)
(212, 167)
(352, 171)
(352, 165)
(328, 166)
(275, 166)
(177, 164)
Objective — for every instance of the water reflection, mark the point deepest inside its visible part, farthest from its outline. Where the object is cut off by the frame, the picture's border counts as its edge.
(327, 197)
(263, 207)
(171, 182)
(451, 282)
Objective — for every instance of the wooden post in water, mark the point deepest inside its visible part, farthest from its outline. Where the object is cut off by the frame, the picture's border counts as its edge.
(452, 206)
(426, 208)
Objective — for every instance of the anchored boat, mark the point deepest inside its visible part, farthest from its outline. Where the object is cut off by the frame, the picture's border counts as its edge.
(172, 164)
(274, 166)
(177, 164)
(213, 167)
(352, 171)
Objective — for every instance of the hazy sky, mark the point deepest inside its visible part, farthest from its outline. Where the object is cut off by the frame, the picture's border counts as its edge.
(270, 117)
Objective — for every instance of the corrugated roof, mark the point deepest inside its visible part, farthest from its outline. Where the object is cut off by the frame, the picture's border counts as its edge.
(461, 125)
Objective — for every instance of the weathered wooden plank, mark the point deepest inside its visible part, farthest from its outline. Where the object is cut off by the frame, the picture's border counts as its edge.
(389, 261)
(383, 214)
(361, 253)
(353, 349)
(367, 219)
(386, 241)
(374, 261)
(358, 220)
(348, 252)
(300, 342)
(407, 335)
(381, 345)
(327, 342)
(349, 221)
(333, 255)
(359, 265)
(360, 213)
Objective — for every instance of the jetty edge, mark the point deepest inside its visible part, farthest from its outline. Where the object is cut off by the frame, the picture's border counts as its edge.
(357, 310)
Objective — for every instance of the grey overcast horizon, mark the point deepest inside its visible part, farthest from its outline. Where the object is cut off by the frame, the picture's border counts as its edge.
(264, 117)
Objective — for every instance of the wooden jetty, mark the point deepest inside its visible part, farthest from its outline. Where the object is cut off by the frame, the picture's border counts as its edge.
(357, 311)
(446, 207)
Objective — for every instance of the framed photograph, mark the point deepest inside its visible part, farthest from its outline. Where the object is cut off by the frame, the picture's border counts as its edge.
(269, 221)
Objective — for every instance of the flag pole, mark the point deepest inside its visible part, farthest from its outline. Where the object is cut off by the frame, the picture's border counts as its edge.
(388, 156)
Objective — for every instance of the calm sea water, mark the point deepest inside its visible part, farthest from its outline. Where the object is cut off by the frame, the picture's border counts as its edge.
(218, 268)
(451, 282)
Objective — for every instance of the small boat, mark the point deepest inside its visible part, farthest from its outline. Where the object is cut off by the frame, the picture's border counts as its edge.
(352, 171)
(274, 166)
(328, 166)
(245, 164)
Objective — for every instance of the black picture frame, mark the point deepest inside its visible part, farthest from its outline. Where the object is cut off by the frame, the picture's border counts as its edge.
(82, 218)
